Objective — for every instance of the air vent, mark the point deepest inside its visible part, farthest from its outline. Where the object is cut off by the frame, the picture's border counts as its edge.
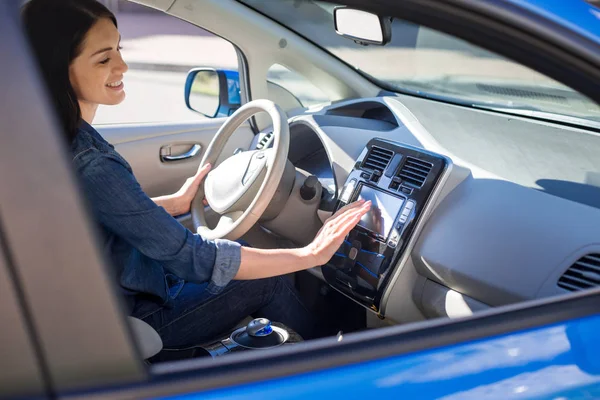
(523, 93)
(415, 171)
(584, 274)
(265, 141)
(378, 158)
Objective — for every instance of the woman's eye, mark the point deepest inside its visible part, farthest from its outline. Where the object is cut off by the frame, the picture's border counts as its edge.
(105, 61)
(119, 48)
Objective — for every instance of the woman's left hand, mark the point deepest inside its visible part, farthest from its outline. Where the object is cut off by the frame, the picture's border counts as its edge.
(186, 194)
(181, 202)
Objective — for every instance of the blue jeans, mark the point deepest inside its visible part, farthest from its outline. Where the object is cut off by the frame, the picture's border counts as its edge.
(198, 316)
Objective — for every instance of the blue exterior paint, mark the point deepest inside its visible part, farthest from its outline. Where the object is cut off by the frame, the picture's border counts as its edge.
(557, 361)
(233, 93)
(233, 87)
(577, 15)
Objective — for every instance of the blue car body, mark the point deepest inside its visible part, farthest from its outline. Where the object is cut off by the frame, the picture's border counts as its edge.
(557, 361)
(560, 361)
(577, 15)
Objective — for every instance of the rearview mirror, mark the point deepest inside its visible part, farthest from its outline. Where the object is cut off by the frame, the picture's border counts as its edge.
(361, 26)
(213, 92)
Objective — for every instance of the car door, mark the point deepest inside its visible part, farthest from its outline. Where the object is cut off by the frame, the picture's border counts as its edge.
(157, 152)
(22, 374)
(83, 349)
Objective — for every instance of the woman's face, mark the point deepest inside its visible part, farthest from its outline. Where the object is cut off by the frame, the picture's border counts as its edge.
(97, 73)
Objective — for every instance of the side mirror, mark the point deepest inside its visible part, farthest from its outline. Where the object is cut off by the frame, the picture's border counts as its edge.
(213, 92)
(362, 27)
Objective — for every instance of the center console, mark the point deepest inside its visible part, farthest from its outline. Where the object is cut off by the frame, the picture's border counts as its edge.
(398, 180)
(259, 334)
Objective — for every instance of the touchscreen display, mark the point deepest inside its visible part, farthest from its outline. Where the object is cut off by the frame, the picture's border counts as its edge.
(383, 212)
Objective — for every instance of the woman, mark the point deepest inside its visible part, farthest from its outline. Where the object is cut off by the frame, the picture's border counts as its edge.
(189, 289)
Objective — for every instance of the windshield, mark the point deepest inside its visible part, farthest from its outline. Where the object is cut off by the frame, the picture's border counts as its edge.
(421, 61)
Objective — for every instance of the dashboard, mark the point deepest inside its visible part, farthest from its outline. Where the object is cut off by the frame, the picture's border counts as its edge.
(445, 237)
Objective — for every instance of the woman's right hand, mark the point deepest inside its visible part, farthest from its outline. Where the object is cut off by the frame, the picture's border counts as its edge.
(331, 236)
(262, 263)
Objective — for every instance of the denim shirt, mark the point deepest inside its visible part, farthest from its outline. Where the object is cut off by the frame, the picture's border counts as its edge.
(153, 253)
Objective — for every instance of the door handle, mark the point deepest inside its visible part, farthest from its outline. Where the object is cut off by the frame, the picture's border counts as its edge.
(165, 153)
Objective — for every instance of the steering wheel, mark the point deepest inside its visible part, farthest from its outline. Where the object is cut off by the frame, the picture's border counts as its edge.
(242, 186)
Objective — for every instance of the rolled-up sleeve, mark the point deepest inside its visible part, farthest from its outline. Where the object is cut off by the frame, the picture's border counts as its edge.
(227, 261)
(122, 207)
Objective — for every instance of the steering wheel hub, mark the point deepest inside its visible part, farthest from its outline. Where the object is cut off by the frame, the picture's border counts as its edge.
(226, 186)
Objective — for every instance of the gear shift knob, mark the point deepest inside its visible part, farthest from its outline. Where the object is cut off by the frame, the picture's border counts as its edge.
(259, 327)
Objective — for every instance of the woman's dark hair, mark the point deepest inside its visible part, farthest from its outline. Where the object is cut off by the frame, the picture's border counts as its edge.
(56, 30)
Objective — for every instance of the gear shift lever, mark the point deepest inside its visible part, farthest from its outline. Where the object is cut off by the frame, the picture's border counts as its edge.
(259, 334)
(259, 327)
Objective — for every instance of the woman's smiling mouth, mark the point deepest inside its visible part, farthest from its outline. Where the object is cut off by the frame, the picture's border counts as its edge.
(115, 85)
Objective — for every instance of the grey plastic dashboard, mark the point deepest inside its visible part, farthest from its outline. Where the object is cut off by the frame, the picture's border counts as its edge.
(481, 241)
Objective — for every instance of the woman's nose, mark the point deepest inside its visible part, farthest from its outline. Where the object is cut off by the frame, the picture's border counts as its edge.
(122, 65)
